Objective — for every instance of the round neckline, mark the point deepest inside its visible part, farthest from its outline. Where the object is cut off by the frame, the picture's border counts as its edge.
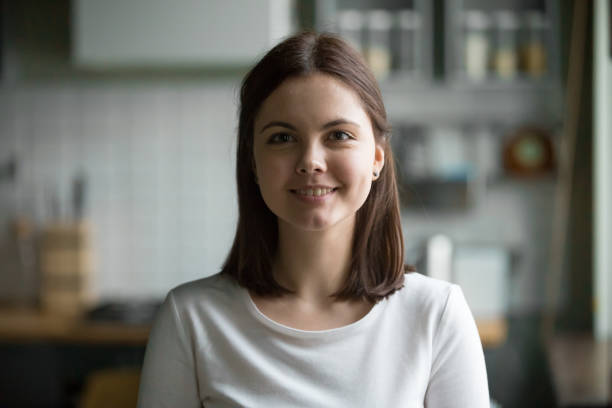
(300, 333)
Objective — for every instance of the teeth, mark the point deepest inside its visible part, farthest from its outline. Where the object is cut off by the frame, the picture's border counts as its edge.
(315, 192)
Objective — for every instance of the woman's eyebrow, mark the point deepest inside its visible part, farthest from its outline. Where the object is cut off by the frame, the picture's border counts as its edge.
(339, 121)
(335, 122)
(278, 123)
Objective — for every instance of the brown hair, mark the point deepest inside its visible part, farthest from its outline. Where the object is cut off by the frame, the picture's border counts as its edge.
(377, 266)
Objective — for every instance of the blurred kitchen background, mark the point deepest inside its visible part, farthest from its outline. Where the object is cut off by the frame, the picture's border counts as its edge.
(117, 138)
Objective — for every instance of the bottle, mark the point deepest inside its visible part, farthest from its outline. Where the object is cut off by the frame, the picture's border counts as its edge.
(505, 58)
(476, 27)
(378, 51)
(407, 53)
(533, 50)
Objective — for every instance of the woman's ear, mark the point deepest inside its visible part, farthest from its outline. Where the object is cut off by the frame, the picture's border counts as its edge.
(379, 161)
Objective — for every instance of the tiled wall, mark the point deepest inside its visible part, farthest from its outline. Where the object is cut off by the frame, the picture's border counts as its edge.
(159, 164)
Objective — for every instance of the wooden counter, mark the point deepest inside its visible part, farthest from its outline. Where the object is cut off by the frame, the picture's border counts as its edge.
(23, 325)
(493, 332)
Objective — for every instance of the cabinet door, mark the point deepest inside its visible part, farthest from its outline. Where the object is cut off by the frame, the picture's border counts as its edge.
(126, 33)
(504, 42)
(394, 36)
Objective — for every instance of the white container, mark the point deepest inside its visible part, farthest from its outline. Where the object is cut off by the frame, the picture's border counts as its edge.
(477, 44)
(482, 272)
(440, 257)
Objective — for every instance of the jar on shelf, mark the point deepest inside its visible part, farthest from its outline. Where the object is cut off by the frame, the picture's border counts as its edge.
(505, 56)
(350, 27)
(378, 44)
(533, 44)
(477, 44)
(407, 34)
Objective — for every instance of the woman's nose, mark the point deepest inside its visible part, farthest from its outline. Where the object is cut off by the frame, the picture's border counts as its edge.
(311, 161)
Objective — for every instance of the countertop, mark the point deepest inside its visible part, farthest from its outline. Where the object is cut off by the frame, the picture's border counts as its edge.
(23, 325)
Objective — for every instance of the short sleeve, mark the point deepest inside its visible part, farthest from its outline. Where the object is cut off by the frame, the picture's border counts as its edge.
(168, 378)
(458, 374)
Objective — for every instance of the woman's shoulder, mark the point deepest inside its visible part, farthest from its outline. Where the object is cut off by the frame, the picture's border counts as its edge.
(423, 296)
(213, 288)
(419, 287)
(433, 303)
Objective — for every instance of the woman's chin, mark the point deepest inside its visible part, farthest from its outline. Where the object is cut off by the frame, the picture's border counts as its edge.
(314, 223)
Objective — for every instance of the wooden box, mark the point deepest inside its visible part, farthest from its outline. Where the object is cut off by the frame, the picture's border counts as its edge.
(66, 268)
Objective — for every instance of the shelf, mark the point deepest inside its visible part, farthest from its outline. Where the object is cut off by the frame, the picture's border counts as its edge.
(460, 103)
(435, 193)
(539, 181)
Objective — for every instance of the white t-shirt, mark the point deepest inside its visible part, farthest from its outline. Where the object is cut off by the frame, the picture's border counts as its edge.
(210, 346)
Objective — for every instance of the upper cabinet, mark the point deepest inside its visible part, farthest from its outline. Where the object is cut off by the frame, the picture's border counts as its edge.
(180, 33)
(395, 37)
(504, 42)
(92, 40)
(457, 61)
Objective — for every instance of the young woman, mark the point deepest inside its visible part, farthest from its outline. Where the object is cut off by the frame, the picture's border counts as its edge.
(313, 307)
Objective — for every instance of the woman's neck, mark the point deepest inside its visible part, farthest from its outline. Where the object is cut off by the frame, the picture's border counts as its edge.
(314, 264)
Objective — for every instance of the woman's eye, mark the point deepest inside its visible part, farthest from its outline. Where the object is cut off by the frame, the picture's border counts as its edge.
(281, 138)
(340, 135)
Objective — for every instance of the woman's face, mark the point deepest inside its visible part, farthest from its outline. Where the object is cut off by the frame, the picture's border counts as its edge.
(314, 152)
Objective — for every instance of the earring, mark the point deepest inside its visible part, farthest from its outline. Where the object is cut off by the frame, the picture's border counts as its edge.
(375, 173)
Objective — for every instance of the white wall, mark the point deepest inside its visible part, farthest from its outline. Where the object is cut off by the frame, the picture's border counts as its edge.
(160, 170)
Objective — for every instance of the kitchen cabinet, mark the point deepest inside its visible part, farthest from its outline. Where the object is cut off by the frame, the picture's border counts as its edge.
(475, 68)
(181, 33)
(135, 40)
(458, 61)
(507, 42)
(395, 37)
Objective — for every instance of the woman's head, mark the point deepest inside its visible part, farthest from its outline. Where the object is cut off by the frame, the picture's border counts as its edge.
(315, 155)
(320, 65)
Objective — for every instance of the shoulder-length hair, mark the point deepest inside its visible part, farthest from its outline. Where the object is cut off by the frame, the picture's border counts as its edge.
(377, 265)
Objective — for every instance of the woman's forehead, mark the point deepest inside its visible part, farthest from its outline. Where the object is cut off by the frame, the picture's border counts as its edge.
(318, 97)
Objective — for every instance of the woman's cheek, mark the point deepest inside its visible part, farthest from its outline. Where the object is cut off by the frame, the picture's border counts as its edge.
(270, 168)
(358, 167)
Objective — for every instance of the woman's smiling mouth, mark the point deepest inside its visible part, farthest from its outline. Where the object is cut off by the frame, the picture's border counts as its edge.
(310, 194)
